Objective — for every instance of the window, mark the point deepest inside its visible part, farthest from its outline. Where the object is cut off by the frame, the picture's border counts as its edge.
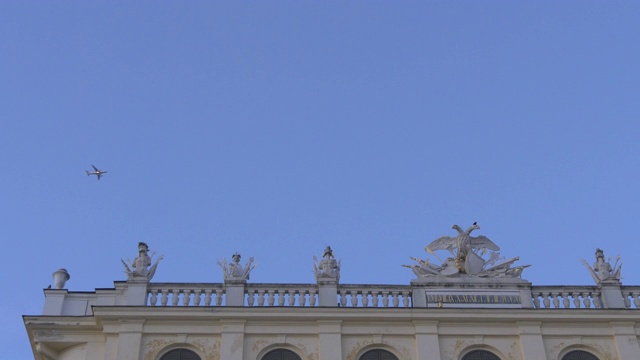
(281, 354)
(378, 354)
(480, 355)
(180, 354)
(579, 355)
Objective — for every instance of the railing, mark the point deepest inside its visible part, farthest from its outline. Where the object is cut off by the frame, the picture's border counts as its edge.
(374, 296)
(631, 295)
(361, 296)
(257, 295)
(565, 297)
(281, 294)
(185, 294)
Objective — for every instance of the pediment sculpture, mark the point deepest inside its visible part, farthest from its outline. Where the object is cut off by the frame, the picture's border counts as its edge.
(327, 268)
(234, 271)
(140, 267)
(602, 271)
(467, 257)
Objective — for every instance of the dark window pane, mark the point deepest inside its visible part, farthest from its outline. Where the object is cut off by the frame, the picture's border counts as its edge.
(579, 355)
(378, 354)
(180, 354)
(480, 355)
(281, 354)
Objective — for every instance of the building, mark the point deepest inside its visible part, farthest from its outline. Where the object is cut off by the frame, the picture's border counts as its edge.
(470, 307)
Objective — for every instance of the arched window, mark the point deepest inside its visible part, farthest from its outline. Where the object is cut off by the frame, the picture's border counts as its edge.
(281, 354)
(378, 354)
(180, 354)
(480, 355)
(579, 355)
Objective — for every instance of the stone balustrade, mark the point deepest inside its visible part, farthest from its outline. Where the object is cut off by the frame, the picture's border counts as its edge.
(281, 295)
(374, 296)
(63, 302)
(631, 295)
(185, 294)
(566, 297)
(302, 295)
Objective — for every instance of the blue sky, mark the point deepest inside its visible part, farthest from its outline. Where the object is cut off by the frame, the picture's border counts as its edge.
(275, 129)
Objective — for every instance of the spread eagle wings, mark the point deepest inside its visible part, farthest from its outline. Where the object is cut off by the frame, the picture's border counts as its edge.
(482, 242)
(443, 243)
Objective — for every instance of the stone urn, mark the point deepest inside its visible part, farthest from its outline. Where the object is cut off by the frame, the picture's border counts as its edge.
(60, 278)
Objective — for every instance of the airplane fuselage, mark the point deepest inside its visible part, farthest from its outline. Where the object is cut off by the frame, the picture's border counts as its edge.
(97, 173)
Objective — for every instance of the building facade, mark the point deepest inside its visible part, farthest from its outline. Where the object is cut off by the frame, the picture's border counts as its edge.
(470, 307)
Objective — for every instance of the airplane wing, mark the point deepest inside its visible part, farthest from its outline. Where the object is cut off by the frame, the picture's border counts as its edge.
(95, 168)
(482, 242)
(442, 243)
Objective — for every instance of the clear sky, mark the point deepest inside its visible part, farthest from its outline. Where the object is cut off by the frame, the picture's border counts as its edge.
(274, 129)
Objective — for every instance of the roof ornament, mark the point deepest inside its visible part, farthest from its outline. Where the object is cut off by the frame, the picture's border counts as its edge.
(60, 277)
(602, 272)
(234, 271)
(140, 267)
(466, 257)
(327, 269)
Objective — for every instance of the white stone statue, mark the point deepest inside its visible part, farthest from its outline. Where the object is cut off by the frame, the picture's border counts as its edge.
(328, 268)
(234, 271)
(141, 267)
(466, 257)
(602, 271)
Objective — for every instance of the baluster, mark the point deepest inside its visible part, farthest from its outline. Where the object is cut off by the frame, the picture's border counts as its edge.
(395, 299)
(565, 300)
(292, 298)
(186, 297)
(576, 299)
(596, 299)
(207, 297)
(271, 297)
(536, 300)
(197, 294)
(281, 296)
(354, 299)
(586, 300)
(365, 298)
(219, 297)
(154, 297)
(385, 299)
(556, 300)
(268, 294)
(175, 297)
(165, 297)
(627, 302)
(374, 298)
(636, 300)
(406, 298)
(305, 298)
(312, 298)
(261, 297)
(545, 300)
(343, 298)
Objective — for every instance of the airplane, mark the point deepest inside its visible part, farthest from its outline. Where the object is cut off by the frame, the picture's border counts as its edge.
(97, 172)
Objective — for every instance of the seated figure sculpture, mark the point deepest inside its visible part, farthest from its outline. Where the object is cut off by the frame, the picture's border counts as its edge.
(602, 271)
(141, 267)
(328, 268)
(235, 271)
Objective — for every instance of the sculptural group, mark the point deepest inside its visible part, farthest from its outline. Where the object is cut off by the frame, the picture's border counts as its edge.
(466, 257)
